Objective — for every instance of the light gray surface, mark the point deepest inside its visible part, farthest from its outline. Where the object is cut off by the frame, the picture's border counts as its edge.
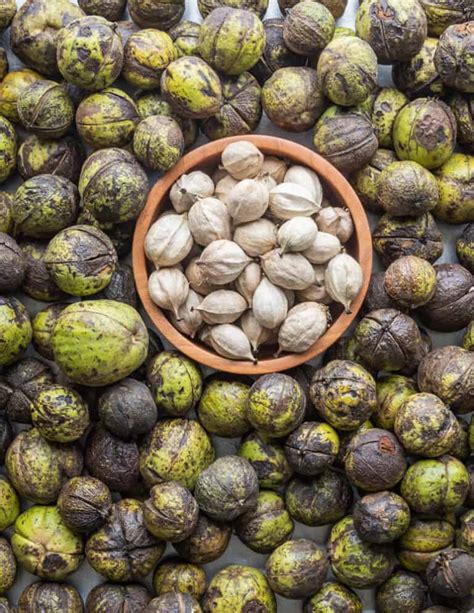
(86, 578)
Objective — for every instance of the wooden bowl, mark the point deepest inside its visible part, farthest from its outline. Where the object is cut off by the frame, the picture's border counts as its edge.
(207, 158)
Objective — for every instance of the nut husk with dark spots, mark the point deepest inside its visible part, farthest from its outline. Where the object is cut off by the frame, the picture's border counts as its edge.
(46, 109)
(343, 393)
(322, 500)
(377, 297)
(447, 372)
(38, 282)
(44, 594)
(171, 512)
(452, 306)
(123, 550)
(62, 158)
(410, 281)
(121, 287)
(19, 387)
(207, 543)
(227, 488)
(375, 460)
(241, 108)
(173, 602)
(364, 180)
(381, 517)
(107, 118)
(7, 434)
(146, 54)
(7, 12)
(15, 329)
(44, 205)
(34, 32)
(451, 573)
(386, 105)
(297, 568)
(456, 201)
(8, 149)
(158, 142)
(160, 14)
(6, 218)
(266, 526)
(8, 566)
(12, 264)
(111, 460)
(84, 504)
(465, 247)
(38, 468)
(417, 76)
(334, 596)
(462, 106)
(11, 89)
(392, 392)
(292, 98)
(275, 53)
(185, 36)
(422, 541)
(112, 10)
(268, 460)
(312, 448)
(443, 13)
(387, 339)
(347, 140)
(176, 575)
(455, 45)
(396, 29)
(256, 6)
(401, 592)
(221, 408)
(113, 186)
(127, 409)
(394, 237)
(308, 28)
(355, 562)
(115, 598)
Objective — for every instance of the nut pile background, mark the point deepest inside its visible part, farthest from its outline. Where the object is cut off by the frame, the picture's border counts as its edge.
(71, 239)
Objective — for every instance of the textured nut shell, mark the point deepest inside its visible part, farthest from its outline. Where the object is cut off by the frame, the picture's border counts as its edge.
(169, 240)
(269, 304)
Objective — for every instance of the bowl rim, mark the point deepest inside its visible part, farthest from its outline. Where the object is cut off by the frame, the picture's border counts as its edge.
(269, 145)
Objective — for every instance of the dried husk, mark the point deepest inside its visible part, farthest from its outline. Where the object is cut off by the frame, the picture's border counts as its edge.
(344, 278)
(274, 167)
(306, 178)
(317, 291)
(247, 201)
(304, 324)
(190, 320)
(224, 186)
(325, 246)
(230, 342)
(168, 288)
(209, 220)
(269, 304)
(222, 307)
(248, 281)
(222, 261)
(256, 237)
(288, 270)
(169, 240)
(189, 188)
(297, 234)
(337, 221)
(256, 333)
(196, 280)
(242, 160)
(288, 200)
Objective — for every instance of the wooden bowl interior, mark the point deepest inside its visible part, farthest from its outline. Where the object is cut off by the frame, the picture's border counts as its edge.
(336, 189)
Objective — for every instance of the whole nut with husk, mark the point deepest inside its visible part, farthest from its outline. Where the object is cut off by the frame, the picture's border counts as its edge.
(287, 109)
(355, 562)
(395, 30)
(365, 180)
(158, 142)
(392, 392)
(121, 287)
(207, 543)
(81, 260)
(465, 248)
(44, 205)
(152, 103)
(6, 218)
(347, 70)
(20, 384)
(334, 594)
(146, 55)
(297, 568)
(117, 598)
(450, 573)
(241, 108)
(11, 90)
(386, 105)
(176, 450)
(347, 140)
(7, 566)
(108, 9)
(312, 448)
(410, 281)
(151, 14)
(268, 460)
(407, 189)
(185, 36)
(10, 499)
(90, 53)
(83, 330)
(330, 395)
(35, 29)
(462, 106)
(256, 6)
(62, 158)
(7, 12)
(15, 329)
(84, 504)
(422, 541)
(401, 590)
(381, 517)
(417, 76)
(451, 306)
(114, 461)
(123, 550)
(42, 593)
(222, 406)
(176, 575)
(13, 264)
(454, 180)
(38, 282)
(239, 586)
(44, 546)
(442, 14)
(171, 512)
(455, 44)
(8, 146)
(388, 339)
(308, 28)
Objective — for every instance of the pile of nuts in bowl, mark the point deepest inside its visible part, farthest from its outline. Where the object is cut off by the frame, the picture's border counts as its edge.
(252, 256)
